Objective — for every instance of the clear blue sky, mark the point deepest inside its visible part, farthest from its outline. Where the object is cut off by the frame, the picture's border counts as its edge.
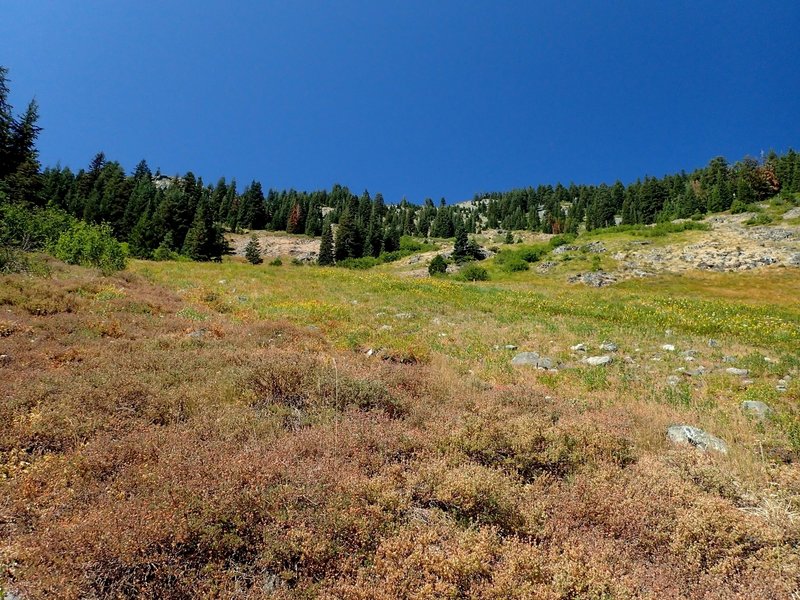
(414, 98)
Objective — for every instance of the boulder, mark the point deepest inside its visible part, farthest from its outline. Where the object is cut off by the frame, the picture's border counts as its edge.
(686, 434)
(735, 371)
(758, 409)
(594, 247)
(609, 346)
(578, 348)
(533, 359)
(598, 361)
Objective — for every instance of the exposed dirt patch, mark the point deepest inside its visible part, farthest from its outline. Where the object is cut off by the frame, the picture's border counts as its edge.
(275, 245)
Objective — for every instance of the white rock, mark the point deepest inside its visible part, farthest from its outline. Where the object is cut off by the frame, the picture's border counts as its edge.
(598, 361)
(735, 371)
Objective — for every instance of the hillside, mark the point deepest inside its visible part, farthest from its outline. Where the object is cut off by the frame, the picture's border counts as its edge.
(185, 429)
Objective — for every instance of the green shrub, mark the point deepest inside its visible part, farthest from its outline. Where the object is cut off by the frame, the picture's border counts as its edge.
(532, 253)
(473, 272)
(163, 252)
(359, 263)
(562, 239)
(90, 246)
(760, 219)
(438, 265)
(276, 263)
(511, 261)
(32, 229)
(738, 207)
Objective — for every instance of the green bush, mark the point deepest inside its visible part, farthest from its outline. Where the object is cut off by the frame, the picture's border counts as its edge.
(473, 272)
(438, 265)
(561, 240)
(359, 263)
(163, 252)
(511, 261)
(32, 229)
(276, 263)
(90, 246)
(761, 219)
(738, 207)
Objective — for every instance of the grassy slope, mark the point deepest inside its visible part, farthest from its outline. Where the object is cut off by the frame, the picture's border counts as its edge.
(269, 456)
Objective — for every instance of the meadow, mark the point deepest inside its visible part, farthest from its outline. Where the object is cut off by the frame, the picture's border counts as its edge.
(227, 430)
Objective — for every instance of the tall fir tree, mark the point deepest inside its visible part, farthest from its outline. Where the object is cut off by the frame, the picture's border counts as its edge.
(326, 256)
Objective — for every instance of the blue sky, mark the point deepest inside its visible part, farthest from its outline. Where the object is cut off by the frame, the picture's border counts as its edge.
(407, 98)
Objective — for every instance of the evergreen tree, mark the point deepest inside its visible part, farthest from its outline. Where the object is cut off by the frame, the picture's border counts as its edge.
(326, 257)
(252, 212)
(295, 219)
(252, 251)
(460, 252)
(204, 240)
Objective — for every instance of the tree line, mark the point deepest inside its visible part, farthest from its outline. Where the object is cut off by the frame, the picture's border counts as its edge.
(161, 216)
(719, 186)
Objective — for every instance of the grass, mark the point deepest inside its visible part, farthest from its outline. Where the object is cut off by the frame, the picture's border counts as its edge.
(228, 430)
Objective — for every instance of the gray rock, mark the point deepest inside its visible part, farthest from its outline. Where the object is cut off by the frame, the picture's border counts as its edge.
(545, 266)
(729, 359)
(510, 347)
(712, 343)
(594, 247)
(673, 380)
(686, 434)
(794, 260)
(694, 372)
(609, 346)
(578, 348)
(564, 249)
(198, 334)
(533, 359)
(598, 361)
(593, 279)
(735, 371)
(758, 409)
(668, 347)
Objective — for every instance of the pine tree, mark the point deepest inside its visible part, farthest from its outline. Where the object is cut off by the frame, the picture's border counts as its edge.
(204, 240)
(294, 220)
(460, 252)
(326, 257)
(252, 251)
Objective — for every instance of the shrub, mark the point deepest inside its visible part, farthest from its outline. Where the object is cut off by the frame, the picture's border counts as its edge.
(366, 262)
(738, 207)
(90, 246)
(276, 263)
(511, 262)
(31, 229)
(561, 240)
(438, 265)
(473, 272)
(760, 219)
(163, 252)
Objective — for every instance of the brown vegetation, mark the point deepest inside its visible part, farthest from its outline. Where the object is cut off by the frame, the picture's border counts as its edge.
(146, 453)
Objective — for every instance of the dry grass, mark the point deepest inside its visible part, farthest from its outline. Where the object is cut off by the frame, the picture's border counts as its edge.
(226, 435)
